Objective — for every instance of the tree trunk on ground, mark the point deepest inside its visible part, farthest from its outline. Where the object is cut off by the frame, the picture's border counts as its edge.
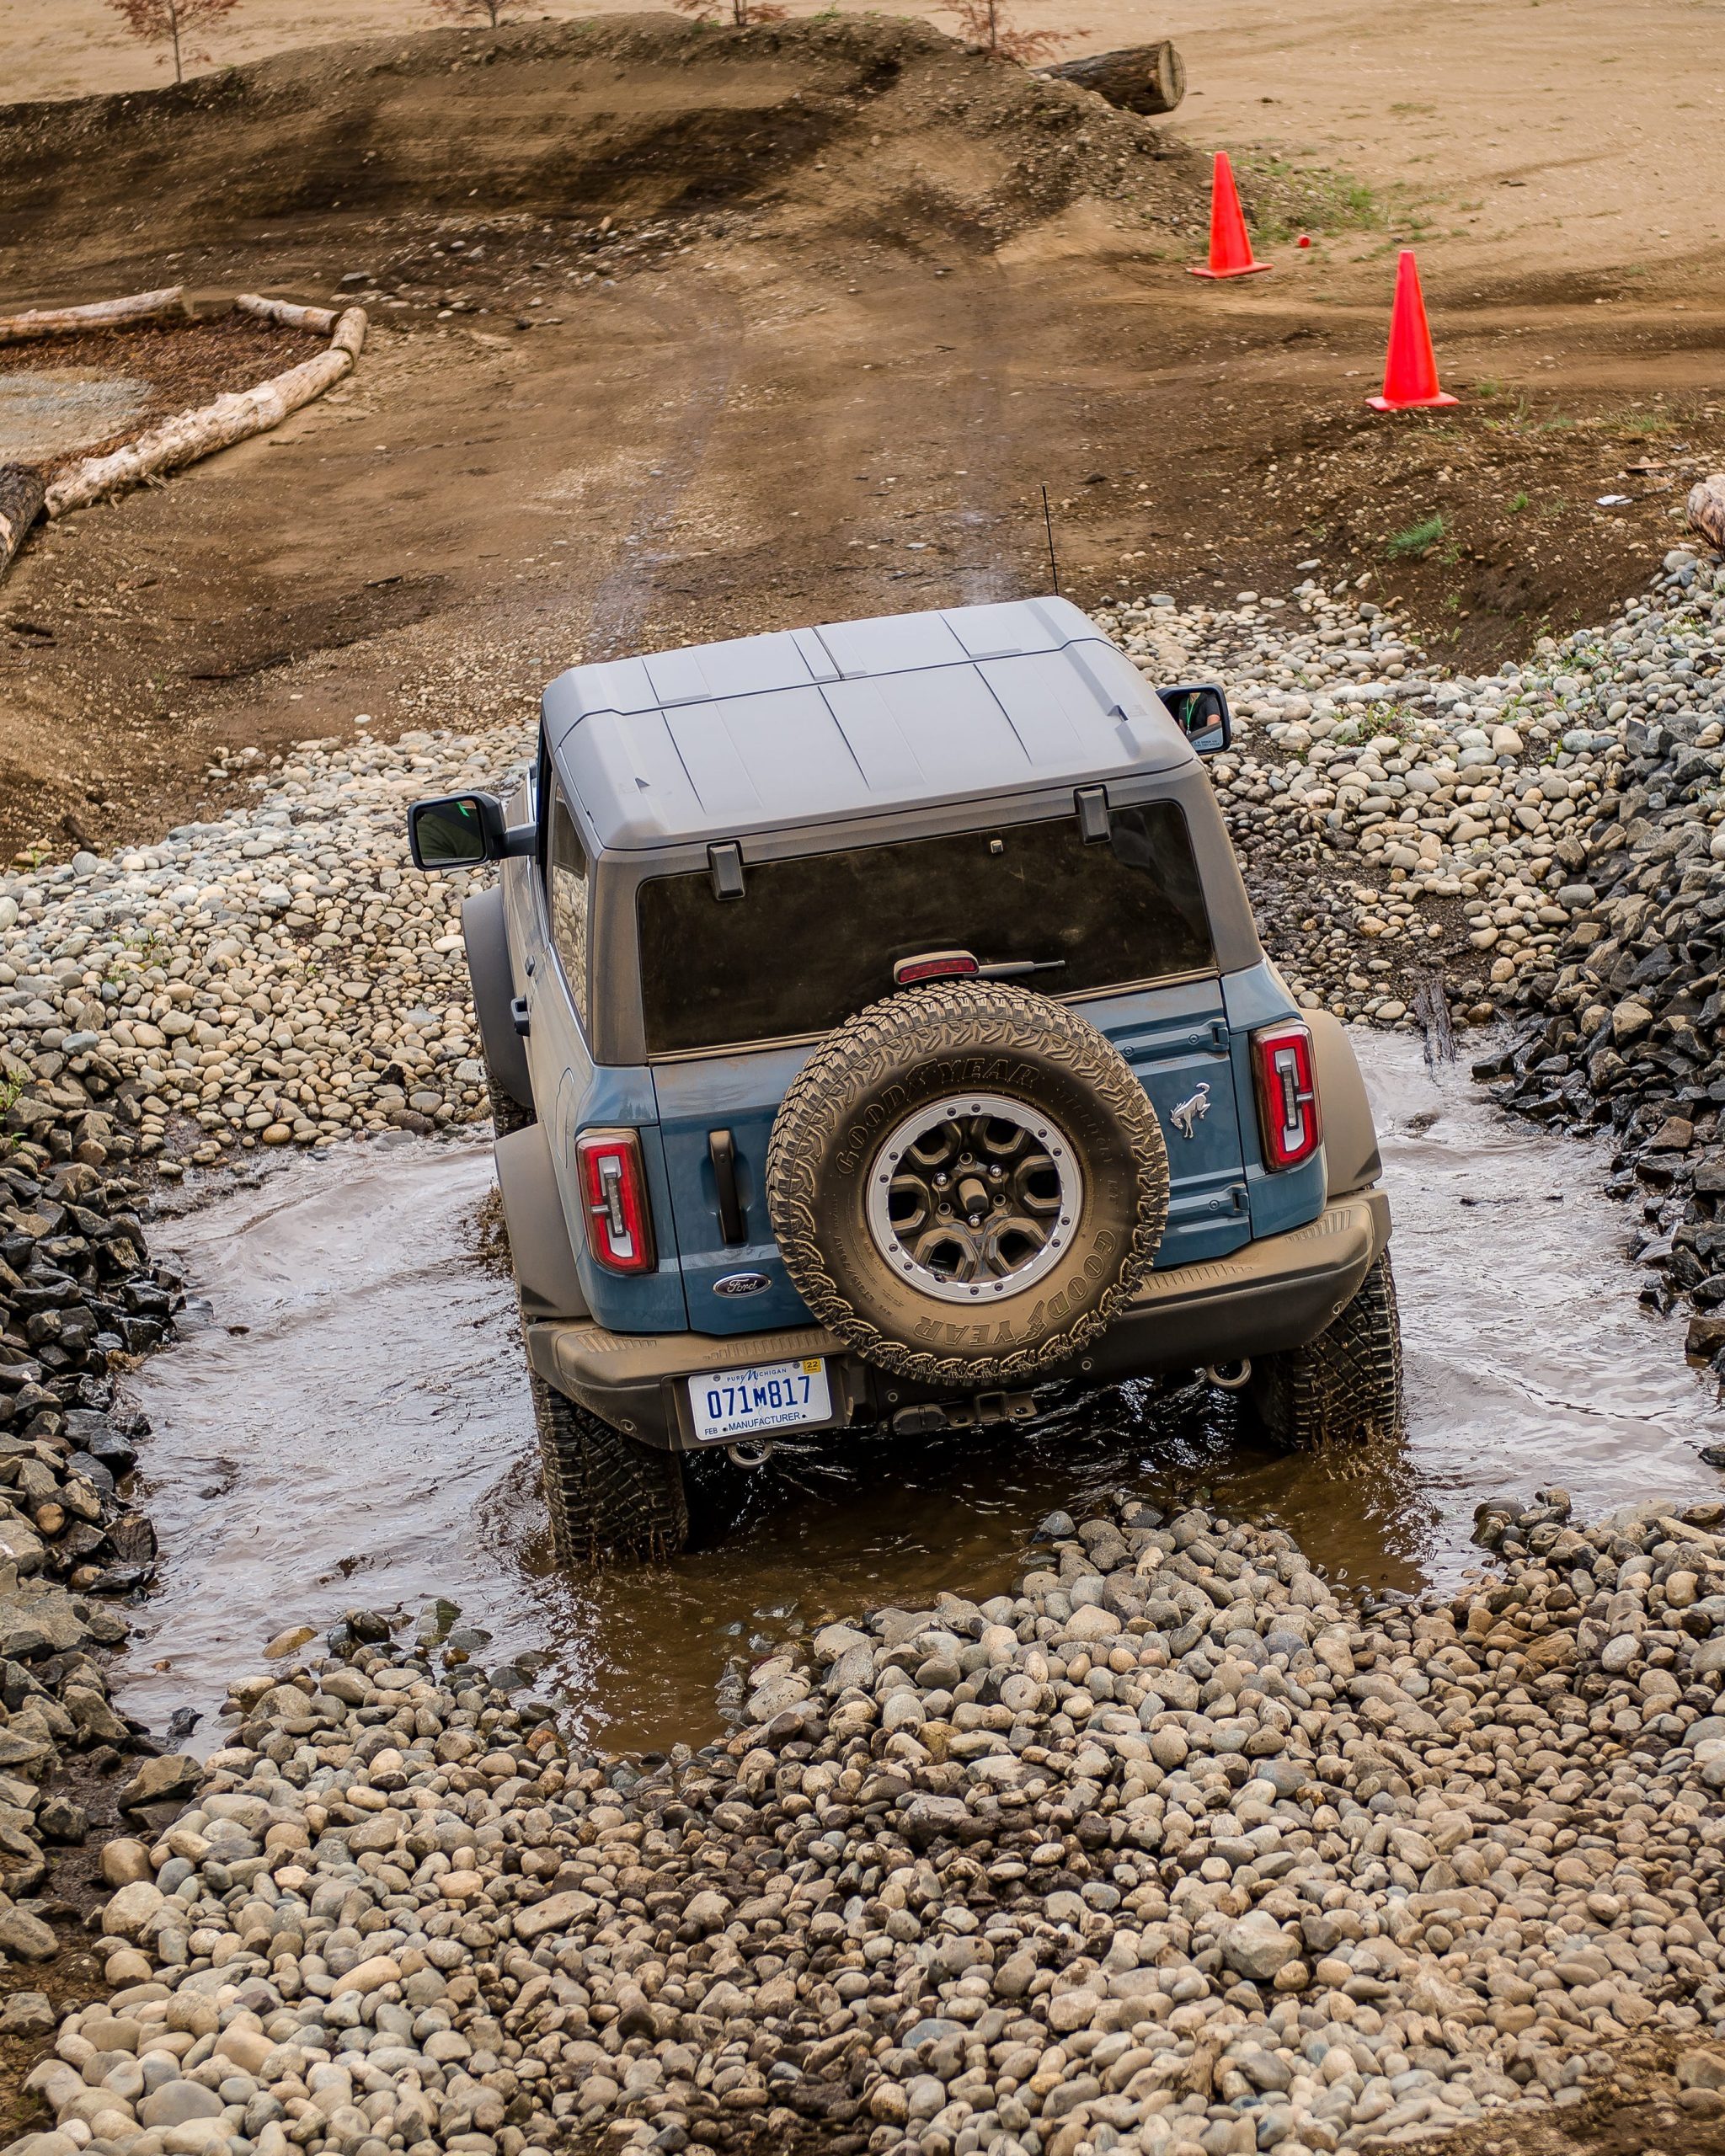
(21, 495)
(320, 320)
(1706, 509)
(1147, 78)
(68, 321)
(350, 334)
(190, 435)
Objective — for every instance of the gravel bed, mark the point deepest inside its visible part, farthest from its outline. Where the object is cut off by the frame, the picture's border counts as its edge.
(281, 976)
(1404, 828)
(1421, 847)
(1164, 1850)
(1168, 1848)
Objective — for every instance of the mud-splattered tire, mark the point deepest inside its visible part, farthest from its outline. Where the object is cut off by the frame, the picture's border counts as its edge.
(507, 1113)
(1345, 1386)
(607, 1495)
(1066, 1170)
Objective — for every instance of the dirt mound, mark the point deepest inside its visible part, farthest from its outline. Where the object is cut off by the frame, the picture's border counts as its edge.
(680, 332)
(883, 125)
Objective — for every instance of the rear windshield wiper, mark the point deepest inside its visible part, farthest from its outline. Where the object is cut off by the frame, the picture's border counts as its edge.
(1012, 969)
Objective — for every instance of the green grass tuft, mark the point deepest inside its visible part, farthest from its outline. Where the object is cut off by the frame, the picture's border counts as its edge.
(1417, 540)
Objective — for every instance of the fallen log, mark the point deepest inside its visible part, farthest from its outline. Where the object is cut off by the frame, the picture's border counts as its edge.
(290, 313)
(232, 418)
(21, 497)
(349, 335)
(1706, 509)
(1147, 78)
(99, 314)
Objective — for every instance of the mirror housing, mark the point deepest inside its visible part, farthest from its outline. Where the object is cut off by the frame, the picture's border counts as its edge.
(1201, 715)
(464, 831)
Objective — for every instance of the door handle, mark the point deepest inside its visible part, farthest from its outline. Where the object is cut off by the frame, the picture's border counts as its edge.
(722, 1152)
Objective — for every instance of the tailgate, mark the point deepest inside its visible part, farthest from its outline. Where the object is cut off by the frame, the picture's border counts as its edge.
(1177, 1040)
(701, 1101)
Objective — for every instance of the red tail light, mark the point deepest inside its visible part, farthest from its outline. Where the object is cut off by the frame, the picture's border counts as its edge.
(614, 1196)
(1286, 1078)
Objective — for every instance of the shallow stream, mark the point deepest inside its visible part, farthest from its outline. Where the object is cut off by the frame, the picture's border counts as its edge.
(345, 1423)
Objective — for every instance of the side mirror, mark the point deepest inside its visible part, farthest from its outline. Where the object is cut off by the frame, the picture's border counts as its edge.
(462, 830)
(459, 831)
(1202, 716)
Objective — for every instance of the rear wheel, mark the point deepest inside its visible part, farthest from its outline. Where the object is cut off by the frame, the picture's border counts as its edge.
(507, 1113)
(607, 1495)
(1345, 1386)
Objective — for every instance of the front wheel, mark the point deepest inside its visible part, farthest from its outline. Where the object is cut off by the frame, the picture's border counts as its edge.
(1345, 1386)
(607, 1495)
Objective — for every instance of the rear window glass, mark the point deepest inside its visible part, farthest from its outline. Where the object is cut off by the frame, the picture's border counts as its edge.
(814, 940)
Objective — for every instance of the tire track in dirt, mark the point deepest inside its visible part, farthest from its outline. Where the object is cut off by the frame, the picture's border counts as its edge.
(709, 363)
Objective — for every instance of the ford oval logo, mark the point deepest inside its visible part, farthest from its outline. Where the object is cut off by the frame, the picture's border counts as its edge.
(742, 1283)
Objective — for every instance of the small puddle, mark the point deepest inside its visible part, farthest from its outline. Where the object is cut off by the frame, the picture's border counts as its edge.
(46, 412)
(345, 1423)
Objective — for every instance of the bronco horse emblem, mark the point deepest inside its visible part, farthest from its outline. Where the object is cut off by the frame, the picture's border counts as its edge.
(1188, 1113)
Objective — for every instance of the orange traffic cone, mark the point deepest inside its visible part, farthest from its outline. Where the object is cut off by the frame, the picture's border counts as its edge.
(1230, 245)
(1410, 367)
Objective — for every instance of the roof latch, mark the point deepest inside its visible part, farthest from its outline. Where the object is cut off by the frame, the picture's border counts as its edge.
(726, 862)
(1092, 803)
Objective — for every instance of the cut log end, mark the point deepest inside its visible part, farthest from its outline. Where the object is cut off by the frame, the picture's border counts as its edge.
(1143, 78)
(1706, 509)
(21, 497)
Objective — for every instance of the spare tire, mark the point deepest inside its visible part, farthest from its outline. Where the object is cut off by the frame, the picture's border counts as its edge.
(966, 1182)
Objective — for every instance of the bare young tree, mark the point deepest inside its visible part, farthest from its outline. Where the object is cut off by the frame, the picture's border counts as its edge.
(739, 13)
(170, 22)
(985, 22)
(488, 12)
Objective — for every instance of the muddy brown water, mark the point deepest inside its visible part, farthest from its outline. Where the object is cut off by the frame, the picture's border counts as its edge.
(345, 1423)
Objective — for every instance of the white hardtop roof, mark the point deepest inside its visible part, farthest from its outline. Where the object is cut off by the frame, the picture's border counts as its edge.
(854, 720)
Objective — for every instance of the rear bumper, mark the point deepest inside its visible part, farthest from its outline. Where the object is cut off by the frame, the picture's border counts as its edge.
(1272, 1294)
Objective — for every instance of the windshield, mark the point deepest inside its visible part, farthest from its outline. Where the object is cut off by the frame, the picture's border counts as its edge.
(813, 940)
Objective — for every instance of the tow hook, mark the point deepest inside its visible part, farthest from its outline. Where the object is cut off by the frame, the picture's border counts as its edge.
(750, 1452)
(1231, 1377)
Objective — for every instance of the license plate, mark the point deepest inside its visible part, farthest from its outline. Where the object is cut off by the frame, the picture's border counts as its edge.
(769, 1397)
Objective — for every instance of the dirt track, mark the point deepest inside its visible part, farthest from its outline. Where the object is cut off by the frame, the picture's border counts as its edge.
(861, 294)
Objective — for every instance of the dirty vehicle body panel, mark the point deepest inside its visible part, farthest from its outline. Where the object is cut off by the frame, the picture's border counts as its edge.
(724, 853)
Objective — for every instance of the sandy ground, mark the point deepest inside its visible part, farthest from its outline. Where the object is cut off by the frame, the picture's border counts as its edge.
(854, 307)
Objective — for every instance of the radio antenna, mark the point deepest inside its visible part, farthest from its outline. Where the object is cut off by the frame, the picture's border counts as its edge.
(1054, 567)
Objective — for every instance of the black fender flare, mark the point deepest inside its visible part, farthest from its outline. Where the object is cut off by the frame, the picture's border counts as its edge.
(492, 979)
(540, 1254)
(1351, 1156)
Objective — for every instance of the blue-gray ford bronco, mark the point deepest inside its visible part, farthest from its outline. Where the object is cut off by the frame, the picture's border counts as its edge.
(878, 1033)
